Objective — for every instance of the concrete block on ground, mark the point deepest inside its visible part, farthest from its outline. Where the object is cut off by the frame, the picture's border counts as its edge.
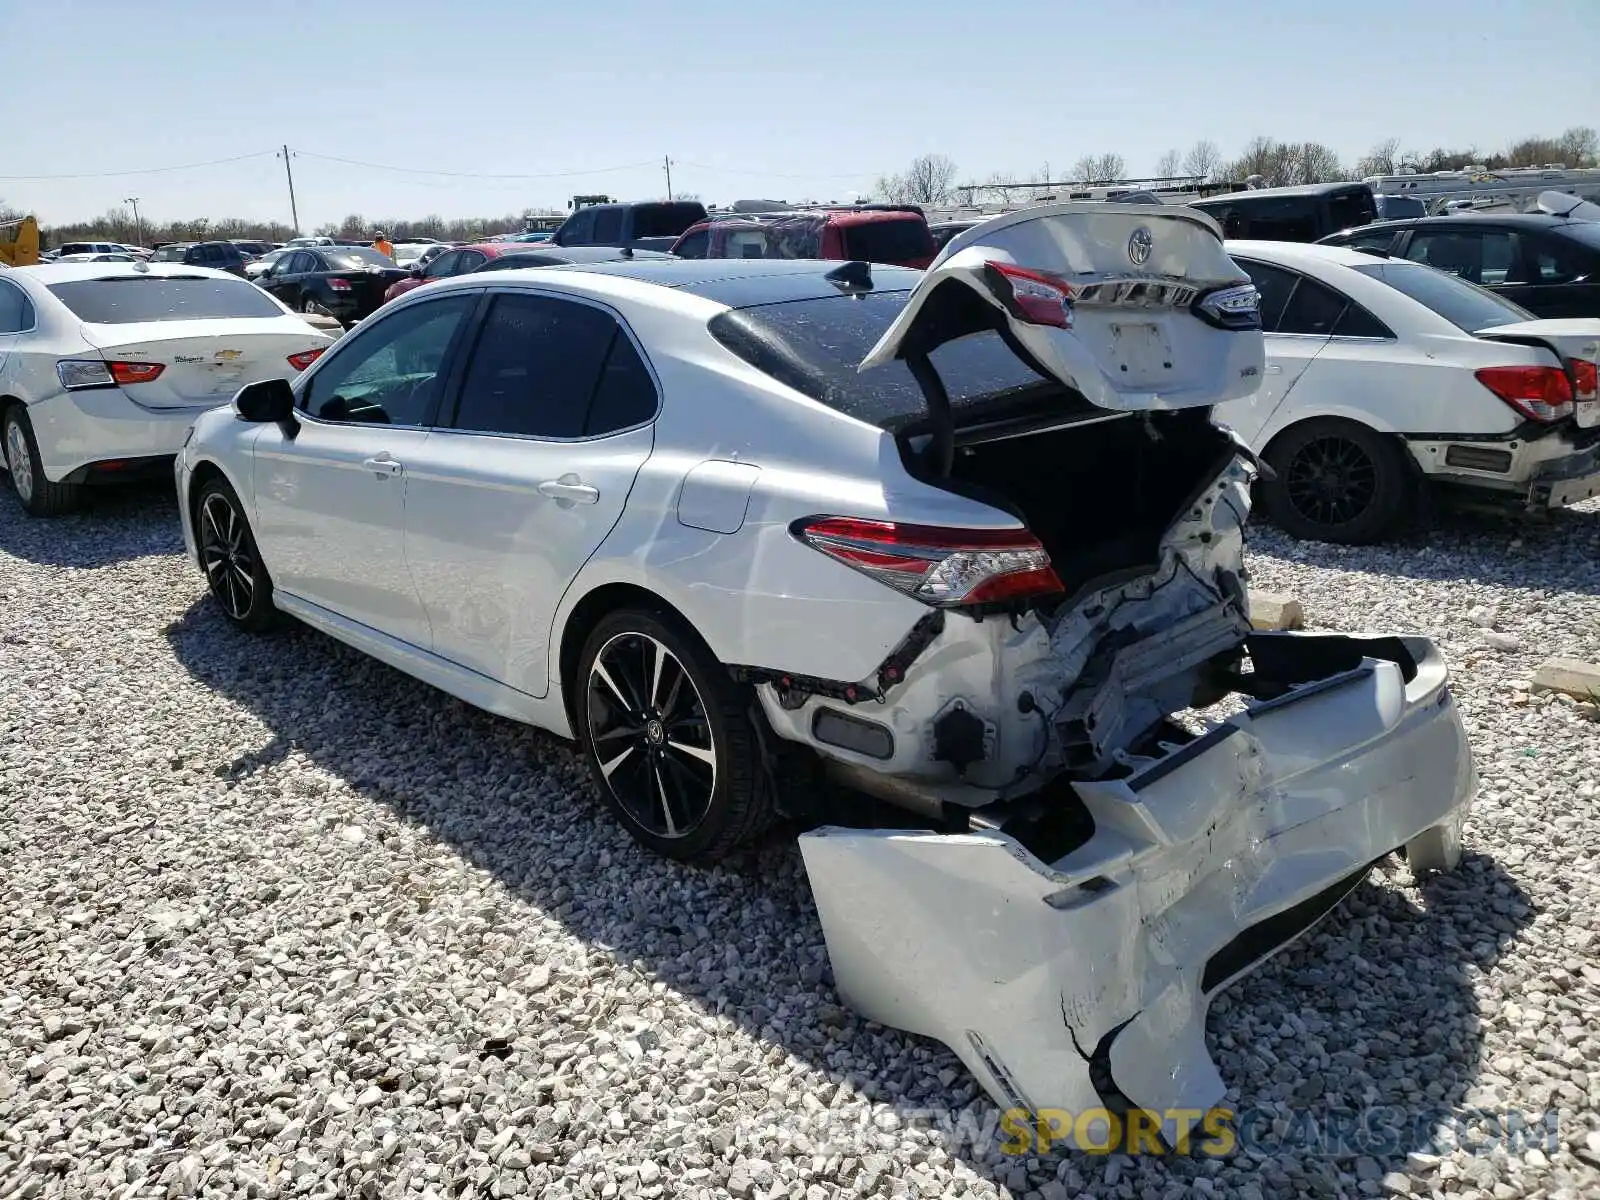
(1570, 675)
(1275, 611)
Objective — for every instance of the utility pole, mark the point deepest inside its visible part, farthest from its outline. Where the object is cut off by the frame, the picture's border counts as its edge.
(294, 210)
(667, 163)
(138, 226)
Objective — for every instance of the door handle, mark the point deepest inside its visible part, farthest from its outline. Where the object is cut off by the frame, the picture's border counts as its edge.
(383, 466)
(569, 489)
(1274, 369)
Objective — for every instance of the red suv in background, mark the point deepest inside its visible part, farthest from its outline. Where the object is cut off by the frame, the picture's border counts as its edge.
(894, 234)
(462, 260)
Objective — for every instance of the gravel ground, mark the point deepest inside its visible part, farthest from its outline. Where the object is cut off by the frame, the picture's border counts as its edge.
(278, 921)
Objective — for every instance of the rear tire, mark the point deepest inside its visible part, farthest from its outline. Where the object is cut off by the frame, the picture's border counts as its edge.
(40, 497)
(235, 574)
(1337, 481)
(671, 739)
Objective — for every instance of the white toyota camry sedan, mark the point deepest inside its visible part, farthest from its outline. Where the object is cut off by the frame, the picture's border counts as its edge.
(1383, 375)
(965, 540)
(104, 366)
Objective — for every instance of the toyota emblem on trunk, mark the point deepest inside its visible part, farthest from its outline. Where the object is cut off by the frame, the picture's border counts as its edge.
(1139, 246)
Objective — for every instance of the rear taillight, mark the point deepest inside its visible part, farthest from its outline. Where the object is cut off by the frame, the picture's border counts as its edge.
(124, 373)
(1034, 297)
(1585, 381)
(1538, 393)
(79, 373)
(339, 285)
(1237, 307)
(305, 358)
(940, 566)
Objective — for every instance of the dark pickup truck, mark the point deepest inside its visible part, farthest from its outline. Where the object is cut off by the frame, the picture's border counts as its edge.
(647, 225)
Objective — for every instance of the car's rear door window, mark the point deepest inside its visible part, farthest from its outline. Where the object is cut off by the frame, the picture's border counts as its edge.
(534, 368)
(1275, 285)
(1312, 309)
(16, 310)
(126, 299)
(391, 372)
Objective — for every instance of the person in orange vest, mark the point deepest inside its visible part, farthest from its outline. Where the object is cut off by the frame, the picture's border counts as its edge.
(382, 245)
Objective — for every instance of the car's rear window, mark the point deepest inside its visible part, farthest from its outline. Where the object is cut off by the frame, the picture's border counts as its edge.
(889, 241)
(1465, 305)
(814, 346)
(127, 299)
(350, 258)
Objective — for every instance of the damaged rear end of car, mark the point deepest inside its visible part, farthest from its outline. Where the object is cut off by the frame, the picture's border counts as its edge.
(1092, 857)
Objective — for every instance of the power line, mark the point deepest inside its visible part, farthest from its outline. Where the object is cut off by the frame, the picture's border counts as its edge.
(683, 162)
(352, 162)
(216, 162)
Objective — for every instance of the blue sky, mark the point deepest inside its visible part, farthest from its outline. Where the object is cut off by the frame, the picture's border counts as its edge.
(787, 99)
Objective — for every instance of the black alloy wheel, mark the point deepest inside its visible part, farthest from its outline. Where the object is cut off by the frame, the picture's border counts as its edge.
(1337, 481)
(234, 572)
(670, 737)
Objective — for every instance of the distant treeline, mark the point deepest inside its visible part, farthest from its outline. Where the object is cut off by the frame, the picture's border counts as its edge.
(931, 179)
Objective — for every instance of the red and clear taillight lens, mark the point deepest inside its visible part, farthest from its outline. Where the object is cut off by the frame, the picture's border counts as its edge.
(305, 358)
(1032, 297)
(339, 285)
(945, 567)
(77, 374)
(1538, 393)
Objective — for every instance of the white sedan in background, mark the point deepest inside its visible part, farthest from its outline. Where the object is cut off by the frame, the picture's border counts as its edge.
(1383, 373)
(104, 367)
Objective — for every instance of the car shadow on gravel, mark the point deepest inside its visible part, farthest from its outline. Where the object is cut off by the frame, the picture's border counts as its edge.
(1382, 991)
(1558, 549)
(114, 525)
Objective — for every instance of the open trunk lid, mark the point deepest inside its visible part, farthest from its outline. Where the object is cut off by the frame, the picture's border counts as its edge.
(205, 362)
(1133, 306)
(1575, 341)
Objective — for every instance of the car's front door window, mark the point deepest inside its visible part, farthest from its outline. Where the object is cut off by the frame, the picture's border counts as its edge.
(392, 373)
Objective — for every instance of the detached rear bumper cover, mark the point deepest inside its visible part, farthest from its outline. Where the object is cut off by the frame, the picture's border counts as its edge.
(1061, 984)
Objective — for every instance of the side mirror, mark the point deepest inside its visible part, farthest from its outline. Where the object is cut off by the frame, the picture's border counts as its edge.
(267, 400)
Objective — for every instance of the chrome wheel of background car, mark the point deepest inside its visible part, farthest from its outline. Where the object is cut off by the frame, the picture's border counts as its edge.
(1331, 481)
(652, 740)
(18, 461)
(226, 557)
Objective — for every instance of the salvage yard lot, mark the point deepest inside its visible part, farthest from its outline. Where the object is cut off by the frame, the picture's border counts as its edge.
(278, 920)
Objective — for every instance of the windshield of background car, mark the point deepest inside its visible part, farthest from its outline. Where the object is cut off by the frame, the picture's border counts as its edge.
(1465, 305)
(665, 219)
(127, 299)
(814, 346)
(898, 241)
(350, 258)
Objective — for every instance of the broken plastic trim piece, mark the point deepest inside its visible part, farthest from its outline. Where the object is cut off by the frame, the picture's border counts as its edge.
(794, 689)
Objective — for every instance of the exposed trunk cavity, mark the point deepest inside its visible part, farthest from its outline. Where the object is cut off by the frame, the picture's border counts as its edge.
(1100, 495)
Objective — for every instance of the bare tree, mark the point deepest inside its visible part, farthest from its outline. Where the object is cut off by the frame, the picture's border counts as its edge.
(1580, 146)
(1203, 159)
(1312, 162)
(1099, 168)
(1169, 164)
(1382, 159)
(929, 179)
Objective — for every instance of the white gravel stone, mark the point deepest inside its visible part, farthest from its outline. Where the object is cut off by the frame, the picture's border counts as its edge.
(276, 921)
